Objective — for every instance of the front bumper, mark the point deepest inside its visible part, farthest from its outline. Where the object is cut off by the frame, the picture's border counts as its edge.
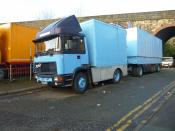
(167, 65)
(54, 80)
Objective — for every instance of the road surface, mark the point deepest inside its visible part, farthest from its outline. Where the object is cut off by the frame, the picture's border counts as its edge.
(107, 107)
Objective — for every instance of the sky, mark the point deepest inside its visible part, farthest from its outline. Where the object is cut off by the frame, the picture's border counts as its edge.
(27, 10)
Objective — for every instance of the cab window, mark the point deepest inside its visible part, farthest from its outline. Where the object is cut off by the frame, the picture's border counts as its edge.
(74, 44)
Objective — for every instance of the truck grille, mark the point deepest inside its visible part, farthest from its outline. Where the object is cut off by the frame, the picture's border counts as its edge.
(45, 68)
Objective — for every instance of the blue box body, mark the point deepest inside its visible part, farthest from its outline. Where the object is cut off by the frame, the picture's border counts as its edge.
(142, 47)
(106, 43)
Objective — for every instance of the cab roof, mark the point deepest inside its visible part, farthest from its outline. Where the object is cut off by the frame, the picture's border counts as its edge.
(65, 26)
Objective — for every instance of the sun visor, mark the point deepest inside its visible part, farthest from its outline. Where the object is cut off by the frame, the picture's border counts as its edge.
(67, 25)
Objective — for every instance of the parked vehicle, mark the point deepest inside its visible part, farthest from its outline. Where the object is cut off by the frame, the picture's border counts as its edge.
(78, 55)
(72, 54)
(144, 52)
(16, 49)
(167, 61)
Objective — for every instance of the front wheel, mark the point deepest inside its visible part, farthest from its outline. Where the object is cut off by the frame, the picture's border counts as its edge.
(80, 83)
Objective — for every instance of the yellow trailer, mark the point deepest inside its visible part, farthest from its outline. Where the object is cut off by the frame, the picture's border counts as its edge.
(16, 49)
(16, 42)
(0, 56)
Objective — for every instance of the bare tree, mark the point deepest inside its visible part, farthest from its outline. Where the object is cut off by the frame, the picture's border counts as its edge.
(45, 14)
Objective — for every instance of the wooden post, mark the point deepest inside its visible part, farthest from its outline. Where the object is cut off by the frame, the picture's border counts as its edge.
(10, 72)
(30, 63)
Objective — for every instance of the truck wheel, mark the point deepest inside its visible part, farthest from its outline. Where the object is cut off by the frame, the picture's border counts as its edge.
(117, 76)
(139, 70)
(1, 74)
(80, 83)
(157, 68)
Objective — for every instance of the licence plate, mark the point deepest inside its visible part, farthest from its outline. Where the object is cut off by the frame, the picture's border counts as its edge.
(44, 82)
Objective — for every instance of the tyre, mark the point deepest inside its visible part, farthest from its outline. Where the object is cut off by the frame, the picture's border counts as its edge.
(117, 76)
(157, 68)
(139, 71)
(80, 83)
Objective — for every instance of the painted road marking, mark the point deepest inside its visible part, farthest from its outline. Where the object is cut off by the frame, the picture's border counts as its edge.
(123, 119)
(155, 110)
(126, 120)
(129, 122)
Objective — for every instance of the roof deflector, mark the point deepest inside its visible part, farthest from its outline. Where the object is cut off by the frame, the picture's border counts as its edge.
(66, 25)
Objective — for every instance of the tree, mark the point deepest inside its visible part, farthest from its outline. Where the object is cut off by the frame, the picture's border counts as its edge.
(169, 47)
(45, 14)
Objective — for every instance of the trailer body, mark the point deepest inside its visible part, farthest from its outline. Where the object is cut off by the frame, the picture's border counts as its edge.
(16, 42)
(0, 56)
(106, 45)
(17, 48)
(143, 50)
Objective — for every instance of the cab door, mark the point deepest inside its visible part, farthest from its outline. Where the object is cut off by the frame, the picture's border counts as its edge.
(74, 53)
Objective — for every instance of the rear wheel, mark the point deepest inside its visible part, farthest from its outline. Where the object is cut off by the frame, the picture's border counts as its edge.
(80, 83)
(117, 76)
(157, 68)
(137, 71)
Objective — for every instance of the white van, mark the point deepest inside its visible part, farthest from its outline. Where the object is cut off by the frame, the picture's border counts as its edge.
(167, 61)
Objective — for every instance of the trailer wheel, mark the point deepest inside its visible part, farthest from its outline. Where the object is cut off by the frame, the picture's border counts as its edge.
(157, 68)
(139, 71)
(117, 76)
(80, 83)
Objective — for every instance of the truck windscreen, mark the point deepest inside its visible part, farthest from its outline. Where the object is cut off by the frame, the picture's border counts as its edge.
(49, 46)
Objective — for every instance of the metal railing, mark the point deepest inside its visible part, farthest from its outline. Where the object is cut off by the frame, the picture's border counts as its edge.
(16, 72)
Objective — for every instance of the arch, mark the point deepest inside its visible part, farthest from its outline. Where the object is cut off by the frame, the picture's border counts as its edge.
(166, 32)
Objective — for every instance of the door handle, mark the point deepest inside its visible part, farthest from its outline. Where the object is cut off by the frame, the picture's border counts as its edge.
(78, 57)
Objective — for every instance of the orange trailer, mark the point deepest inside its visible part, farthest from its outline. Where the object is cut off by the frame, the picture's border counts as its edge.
(16, 48)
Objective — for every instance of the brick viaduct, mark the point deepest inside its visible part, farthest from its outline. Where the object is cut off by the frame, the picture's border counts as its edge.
(159, 23)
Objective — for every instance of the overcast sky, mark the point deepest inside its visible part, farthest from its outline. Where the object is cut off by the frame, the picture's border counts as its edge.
(24, 10)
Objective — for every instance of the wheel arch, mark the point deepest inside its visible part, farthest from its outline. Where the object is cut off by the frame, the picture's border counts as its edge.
(84, 69)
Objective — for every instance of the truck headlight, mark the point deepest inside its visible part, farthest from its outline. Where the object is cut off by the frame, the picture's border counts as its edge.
(58, 78)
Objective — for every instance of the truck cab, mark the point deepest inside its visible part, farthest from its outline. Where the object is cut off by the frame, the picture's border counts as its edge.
(61, 52)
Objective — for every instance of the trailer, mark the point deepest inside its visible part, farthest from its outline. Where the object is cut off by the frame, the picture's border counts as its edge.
(73, 54)
(17, 49)
(144, 52)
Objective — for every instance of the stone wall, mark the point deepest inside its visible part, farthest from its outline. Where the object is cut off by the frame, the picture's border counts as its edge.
(149, 21)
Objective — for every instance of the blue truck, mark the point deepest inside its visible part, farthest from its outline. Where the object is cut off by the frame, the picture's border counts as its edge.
(78, 55)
